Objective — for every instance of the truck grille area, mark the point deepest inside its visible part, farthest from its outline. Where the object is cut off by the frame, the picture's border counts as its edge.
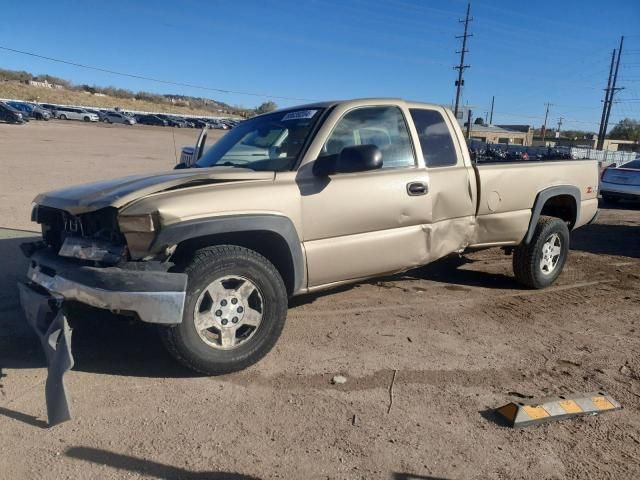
(99, 226)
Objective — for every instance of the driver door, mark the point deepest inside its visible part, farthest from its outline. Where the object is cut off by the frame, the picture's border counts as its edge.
(357, 225)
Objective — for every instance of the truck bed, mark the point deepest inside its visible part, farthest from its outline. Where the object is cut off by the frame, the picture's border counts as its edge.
(507, 192)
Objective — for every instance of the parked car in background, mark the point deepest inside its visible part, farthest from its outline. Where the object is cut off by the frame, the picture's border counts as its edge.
(118, 117)
(173, 121)
(623, 182)
(73, 113)
(217, 124)
(99, 113)
(31, 110)
(51, 107)
(11, 115)
(151, 120)
(199, 122)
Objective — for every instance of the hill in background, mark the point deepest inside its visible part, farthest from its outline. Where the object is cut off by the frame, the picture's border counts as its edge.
(21, 85)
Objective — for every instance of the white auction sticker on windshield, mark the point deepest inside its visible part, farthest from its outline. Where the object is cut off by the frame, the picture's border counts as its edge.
(299, 115)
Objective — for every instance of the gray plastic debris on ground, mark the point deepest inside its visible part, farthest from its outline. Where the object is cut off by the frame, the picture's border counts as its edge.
(46, 316)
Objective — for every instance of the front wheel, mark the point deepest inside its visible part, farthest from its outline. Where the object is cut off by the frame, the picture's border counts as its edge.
(235, 310)
(538, 264)
(62, 117)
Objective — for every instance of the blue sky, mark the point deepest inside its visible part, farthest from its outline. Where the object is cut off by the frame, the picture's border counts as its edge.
(524, 53)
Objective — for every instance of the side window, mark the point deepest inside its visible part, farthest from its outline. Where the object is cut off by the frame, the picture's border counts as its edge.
(436, 142)
(383, 127)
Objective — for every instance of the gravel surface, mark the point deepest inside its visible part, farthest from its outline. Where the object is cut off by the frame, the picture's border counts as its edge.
(459, 336)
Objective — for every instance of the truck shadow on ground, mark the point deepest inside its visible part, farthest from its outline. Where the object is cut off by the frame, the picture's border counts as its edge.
(618, 240)
(147, 467)
(447, 270)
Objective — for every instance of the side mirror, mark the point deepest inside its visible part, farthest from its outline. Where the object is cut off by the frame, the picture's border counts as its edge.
(357, 158)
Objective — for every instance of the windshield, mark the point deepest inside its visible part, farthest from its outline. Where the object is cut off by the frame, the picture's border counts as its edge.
(269, 142)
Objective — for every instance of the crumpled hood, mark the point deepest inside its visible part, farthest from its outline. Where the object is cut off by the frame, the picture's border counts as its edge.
(121, 191)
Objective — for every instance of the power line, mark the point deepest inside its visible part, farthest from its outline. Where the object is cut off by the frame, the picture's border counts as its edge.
(462, 67)
(150, 79)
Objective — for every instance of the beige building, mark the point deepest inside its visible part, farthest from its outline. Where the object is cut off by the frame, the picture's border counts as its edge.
(504, 134)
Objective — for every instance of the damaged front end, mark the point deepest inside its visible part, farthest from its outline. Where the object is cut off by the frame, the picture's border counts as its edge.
(86, 259)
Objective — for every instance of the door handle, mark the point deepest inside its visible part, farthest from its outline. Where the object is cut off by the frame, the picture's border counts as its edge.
(417, 188)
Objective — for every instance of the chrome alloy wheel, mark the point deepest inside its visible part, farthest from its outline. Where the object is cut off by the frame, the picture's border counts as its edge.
(228, 312)
(551, 250)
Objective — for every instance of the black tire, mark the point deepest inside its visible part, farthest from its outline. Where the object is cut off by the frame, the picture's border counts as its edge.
(610, 199)
(86, 119)
(62, 116)
(527, 258)
(208, 264)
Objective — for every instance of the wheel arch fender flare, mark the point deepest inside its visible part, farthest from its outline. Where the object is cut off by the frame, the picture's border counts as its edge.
(542, 198)
(279, 225)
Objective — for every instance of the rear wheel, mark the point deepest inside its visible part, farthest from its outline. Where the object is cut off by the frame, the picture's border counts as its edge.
(86, 119)
(234, 312)
(538, 264)
(62, 116)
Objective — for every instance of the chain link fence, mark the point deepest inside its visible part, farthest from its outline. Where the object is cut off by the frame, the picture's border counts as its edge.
(605, 158)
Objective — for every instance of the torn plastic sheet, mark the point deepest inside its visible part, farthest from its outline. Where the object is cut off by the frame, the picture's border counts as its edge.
(46, 316)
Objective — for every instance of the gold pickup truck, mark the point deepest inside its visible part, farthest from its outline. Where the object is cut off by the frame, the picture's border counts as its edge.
(291, 202)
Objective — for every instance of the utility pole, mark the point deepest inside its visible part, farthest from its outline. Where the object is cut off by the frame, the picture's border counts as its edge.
(605, 102)
(611, 94)
(544, 127)
(493, 99)
(462, 67)
(559, 127)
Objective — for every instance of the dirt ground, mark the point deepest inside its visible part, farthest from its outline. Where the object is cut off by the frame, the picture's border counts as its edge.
(461, 335)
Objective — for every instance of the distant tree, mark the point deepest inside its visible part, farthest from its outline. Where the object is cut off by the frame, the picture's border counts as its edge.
(20, 76)
(627, 129)
(266, 107)
(577, 134)
(150, 97)
(479, 121)
(88, 88)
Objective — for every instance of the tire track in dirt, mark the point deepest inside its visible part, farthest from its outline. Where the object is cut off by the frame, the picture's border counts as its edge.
(377, 380)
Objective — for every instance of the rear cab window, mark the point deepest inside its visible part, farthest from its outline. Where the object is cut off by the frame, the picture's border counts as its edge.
(435, 138)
